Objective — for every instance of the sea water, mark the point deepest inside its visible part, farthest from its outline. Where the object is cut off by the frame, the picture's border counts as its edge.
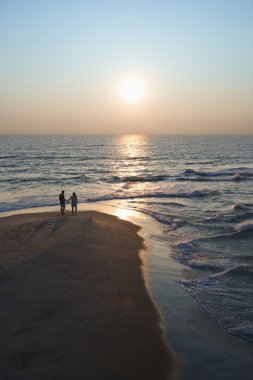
(198, 188)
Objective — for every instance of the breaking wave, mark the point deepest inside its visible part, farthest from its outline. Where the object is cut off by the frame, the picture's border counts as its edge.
(119, 194)
(219, 296)
(221, 173)
(244, 227)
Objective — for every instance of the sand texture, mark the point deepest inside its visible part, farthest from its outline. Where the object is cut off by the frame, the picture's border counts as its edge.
(73, 302)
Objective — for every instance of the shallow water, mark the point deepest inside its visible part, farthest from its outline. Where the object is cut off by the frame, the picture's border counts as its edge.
(199, 189)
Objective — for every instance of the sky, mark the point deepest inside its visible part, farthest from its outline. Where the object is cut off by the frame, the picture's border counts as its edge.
(64, 65)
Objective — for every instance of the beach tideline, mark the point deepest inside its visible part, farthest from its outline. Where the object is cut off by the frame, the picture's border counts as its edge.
(74, 304)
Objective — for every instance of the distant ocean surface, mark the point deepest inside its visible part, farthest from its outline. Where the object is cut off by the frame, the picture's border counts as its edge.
(199, 188)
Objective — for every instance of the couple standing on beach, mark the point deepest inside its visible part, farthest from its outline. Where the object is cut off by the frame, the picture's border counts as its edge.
(73, 199)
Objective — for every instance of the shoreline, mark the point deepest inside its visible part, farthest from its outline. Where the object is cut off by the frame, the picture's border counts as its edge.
(75, 302)
(203, 349)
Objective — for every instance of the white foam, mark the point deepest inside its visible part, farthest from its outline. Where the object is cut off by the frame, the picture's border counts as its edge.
(200, 264)
(241, 269)
(185, 248)
(226, 296)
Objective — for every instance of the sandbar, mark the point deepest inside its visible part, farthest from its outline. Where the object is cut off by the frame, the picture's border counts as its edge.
(74, 303)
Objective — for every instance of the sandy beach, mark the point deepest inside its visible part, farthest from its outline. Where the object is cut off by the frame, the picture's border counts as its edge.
(74, 304)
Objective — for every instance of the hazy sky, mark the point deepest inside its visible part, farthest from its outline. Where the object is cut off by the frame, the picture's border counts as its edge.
(63, 63)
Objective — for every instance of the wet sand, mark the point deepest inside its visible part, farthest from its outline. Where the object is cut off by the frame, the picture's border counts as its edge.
(74, 304)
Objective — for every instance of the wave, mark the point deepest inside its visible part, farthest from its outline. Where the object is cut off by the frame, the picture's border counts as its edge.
(159, 217)
(241, 229)
(234, 175)
(184, 252)
(244, 227)
(185, 248)
(200, 264)
(222, 173)
(158, 238)
(155, 178)
(134, 158)
(239, 206)
(235, 214)
(7, 157)
(236, 270)
(47, 180)
(161, 203)
(244, 330)
(227, 297)
(78, 177)
(7, 165)
(238, 177)
(181, 194)
(28, 180)
(164, 219)
(25, 204)
(198, 176)
(94, 158)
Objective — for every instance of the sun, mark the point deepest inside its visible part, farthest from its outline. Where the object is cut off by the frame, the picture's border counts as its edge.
(132, 90)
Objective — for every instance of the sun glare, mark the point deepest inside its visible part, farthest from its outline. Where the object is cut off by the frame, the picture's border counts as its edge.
(123, 213)
(132, 90)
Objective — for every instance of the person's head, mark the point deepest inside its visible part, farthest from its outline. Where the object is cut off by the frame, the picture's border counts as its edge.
(74, 194)
(62, 192)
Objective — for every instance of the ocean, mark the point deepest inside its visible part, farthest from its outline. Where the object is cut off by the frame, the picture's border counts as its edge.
(198, 188)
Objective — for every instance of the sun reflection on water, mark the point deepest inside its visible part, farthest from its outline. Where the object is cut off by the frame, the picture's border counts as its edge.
(132, 146)
(131, 153)
(123, 213)
(130, 167)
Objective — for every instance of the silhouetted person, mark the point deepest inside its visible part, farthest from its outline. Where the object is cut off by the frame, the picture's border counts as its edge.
(62, 202)
(74, 202)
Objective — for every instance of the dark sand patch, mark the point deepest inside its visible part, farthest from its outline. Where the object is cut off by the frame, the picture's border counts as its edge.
(74, 303)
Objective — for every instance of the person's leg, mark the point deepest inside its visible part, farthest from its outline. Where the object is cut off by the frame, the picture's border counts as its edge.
(72, 210)
(75, 210)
